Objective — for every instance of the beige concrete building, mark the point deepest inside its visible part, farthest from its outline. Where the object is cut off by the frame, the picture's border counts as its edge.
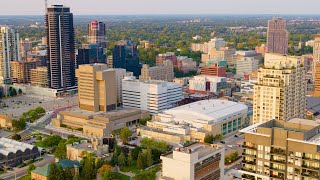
(247, 65)
(161, 72)
(78, 150)
(97, 89)
(21, 71)
(39, 76)
(280, 92)
(194, 162)
(316, 65)
(5, 121)
(282, 150)
(98, 124)
(224, 53)
(192, 122)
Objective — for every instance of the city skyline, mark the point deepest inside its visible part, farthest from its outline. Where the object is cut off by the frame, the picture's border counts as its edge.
(82, 7)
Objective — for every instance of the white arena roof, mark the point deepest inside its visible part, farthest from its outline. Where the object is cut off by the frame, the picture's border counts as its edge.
(204, 112)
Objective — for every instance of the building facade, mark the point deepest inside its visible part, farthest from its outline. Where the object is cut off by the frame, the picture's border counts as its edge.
(97, 33)
(194, 162)
(125, 56)
(280, 92)
(21, 71)
(152, 95)
(166, 56)
(9, 51)
(120, 75)
(316, 65)
(97, 89)
(61, 47)
(161, 72)
(91, 53)
(186, 64)
(277, 36)
(214, 70)
(207, 84)
(39, 76)
(247, 65)
(281, 150)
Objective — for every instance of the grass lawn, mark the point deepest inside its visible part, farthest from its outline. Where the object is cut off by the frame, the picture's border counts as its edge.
(133, 168)
(40, 144)
(122, 176)
(28, 177)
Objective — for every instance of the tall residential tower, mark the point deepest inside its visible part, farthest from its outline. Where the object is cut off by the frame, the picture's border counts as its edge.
(9, 51)
(316, 65)
(277, 36)
(61, 47)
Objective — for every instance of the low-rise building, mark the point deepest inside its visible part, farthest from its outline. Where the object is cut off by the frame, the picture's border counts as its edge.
(247, 86)
(214, 70)
(151, 95)
(42, 173)
(247, 65)
(282, 150)
(166, 56)
(207, 84)
(98, 124)
(39, 76)
(186, 64)
(13, 153)
(77, 151)
(194, 162)
(161, 72)
(192, 122)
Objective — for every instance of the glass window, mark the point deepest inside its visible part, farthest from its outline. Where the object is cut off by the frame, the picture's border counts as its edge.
(230, 127)
(234, 125)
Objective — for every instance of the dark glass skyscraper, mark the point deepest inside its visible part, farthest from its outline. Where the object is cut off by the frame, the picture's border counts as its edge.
(125, 55)
(61, 47)
(91, 53)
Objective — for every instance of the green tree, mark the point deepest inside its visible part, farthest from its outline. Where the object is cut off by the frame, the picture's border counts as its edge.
(52, 172)
(122, 160)
(130, 159)
(40, 110)
(31, 167)
(61, 150)
(68, 174)
(20, 91)
(141, 161)
(88, 168)
(60, 173)
(135, 152)
(154, 144)
(148, 157)
(209, 138)
(16, 137)
(108, 175)
(125, 134)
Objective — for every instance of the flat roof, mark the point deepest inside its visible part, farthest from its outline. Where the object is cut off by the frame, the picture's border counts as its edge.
(11, 146)
(212, 110)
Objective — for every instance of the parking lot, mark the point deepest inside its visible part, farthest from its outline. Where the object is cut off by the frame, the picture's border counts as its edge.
(20, 104)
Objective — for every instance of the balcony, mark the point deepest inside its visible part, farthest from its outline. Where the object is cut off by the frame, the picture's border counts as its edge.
(309, 174)
(278, 152)
(277, 169)
(249, 162)
(281, 176)
(279, 161)
(248, 170)
(249, 147)
(310, 159)
(311, 168)
(250, 155)
(246, 176)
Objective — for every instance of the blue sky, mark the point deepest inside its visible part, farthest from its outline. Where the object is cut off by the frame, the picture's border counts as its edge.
(84, 7)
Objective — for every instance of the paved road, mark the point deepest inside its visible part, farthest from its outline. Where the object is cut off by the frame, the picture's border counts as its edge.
(47, 159)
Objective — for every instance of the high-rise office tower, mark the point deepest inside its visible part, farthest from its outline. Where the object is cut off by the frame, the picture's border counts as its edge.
(277, 36)
(91, 53)
(61, 47)
(125, 55)
(316, 65)
(97, 33)
(280, 92)
(9, 51)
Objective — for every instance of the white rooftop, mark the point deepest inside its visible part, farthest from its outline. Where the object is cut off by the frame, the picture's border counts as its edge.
(11, 146)
(204, 112)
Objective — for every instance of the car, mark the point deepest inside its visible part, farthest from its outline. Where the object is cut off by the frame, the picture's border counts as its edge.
(236, 136)
(223, 142)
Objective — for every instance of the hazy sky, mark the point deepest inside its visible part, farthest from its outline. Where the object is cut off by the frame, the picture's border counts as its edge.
(97, 7)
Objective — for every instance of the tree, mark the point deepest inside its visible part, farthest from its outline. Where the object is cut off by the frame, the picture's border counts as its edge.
(135, 152)
(52, 172)
(60, 173)
(140, 161)
(68, 174)
(16, 137)
(125, 134)
(154, 144)
(61, 150)
(88, 168)
(148, 157)
(130, 159)
(31, 168)
(122, 159)
(40, 110)
(108, 175)
(209, 138)
(20, 91)
(104, 168)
